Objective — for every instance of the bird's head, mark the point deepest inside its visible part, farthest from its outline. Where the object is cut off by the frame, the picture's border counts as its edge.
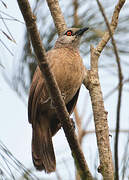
(70, 38)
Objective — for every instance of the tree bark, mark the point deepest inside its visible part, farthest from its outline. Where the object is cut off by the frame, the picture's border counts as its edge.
(57, 15)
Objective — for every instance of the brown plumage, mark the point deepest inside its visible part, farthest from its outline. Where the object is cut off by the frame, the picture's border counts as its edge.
(67, 67)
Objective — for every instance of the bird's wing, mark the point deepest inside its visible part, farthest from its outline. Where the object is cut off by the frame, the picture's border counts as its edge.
(36, 91)
(71, 104)
(42, 147)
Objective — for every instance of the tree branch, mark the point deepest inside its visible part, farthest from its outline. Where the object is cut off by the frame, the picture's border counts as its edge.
(100, 118)
(75, 14)
(54, 90)
(120, 90)
(100, 115)
(113, 26)
(57, 15)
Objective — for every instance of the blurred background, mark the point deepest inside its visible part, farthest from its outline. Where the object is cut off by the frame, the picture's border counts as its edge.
(17, 66)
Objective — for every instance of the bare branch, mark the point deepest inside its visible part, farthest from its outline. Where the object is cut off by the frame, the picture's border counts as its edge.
(57, 15)
(10, 17)
(54, 91)
(120, 90)
(13, 163)
(100, 118)
(7, 29)
(100, 115)
(75, 14)
(113, 26)
(3, 3)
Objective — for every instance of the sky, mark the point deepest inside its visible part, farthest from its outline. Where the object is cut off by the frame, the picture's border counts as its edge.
(15, 131)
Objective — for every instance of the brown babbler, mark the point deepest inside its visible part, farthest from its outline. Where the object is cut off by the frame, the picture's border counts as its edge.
(67, 66)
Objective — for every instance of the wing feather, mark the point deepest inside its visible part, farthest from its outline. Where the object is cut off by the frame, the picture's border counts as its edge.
(35, 94)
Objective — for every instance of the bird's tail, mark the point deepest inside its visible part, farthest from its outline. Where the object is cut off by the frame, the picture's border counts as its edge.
(42, 149)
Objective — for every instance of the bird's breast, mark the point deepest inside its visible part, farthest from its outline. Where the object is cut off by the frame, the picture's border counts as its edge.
(68, 69)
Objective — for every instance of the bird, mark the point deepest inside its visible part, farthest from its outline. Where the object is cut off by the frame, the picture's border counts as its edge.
(67, 67)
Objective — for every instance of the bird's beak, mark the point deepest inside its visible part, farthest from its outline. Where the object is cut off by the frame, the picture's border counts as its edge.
(81, 31)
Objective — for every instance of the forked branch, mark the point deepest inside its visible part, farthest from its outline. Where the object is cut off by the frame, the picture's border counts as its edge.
(100, 115)
(120, 90)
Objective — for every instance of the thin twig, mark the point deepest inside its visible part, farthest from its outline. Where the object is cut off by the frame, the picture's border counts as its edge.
(54, 91)
(113, 26)
(11, 17)
(14, 163)
(7, 28)
(3, 3)
(120, 90)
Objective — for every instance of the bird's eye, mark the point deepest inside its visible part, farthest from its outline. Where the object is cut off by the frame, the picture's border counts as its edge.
(69, 33)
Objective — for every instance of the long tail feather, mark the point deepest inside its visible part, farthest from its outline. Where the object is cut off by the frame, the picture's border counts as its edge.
(42, 149)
